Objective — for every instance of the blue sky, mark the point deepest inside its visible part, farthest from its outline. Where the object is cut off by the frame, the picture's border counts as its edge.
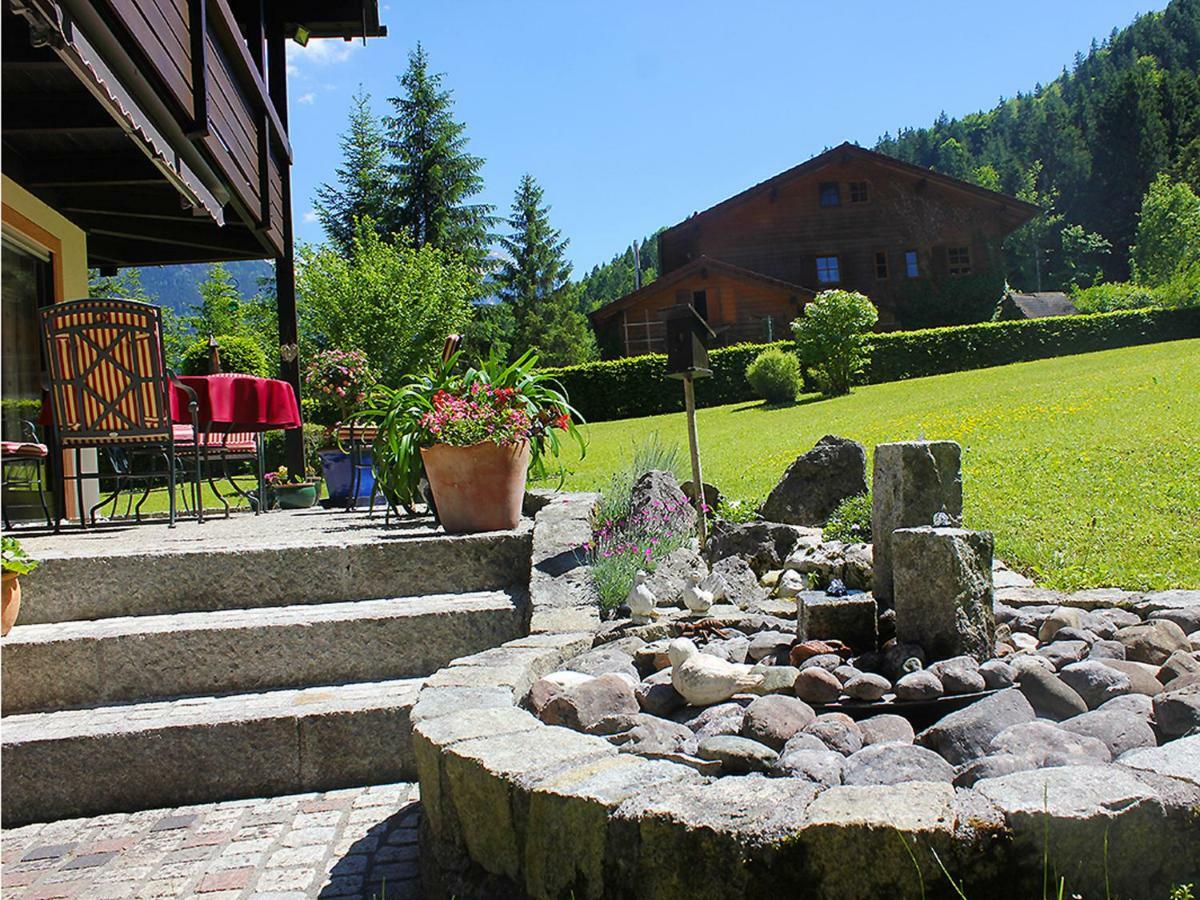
(633, 115)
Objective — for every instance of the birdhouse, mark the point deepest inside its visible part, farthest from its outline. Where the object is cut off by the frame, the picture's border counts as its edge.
(687, 342)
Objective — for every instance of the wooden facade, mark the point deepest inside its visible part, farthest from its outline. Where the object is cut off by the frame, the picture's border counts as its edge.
(849, 218)
(159, 127)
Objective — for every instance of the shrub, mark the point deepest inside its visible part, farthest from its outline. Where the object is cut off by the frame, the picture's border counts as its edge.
(1182, 289)
(851, 521)
(738, 511)
(237, 353)
(316, 438)
(832, 338)
(775, 375)
(1113, 296)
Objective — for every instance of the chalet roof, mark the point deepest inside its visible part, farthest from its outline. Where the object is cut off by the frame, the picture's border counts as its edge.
(1022, 210)
(683, 272)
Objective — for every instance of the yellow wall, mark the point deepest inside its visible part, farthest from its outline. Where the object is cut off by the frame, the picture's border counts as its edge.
(21, 210)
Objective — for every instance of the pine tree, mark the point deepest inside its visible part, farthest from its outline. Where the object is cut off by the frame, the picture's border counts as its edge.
(434, 177)
(220, 309)
(533, 282)
(361, 190)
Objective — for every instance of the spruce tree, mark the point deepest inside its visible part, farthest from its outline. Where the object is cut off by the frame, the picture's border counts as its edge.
(361, 190)
(433, 175)
(533, 281)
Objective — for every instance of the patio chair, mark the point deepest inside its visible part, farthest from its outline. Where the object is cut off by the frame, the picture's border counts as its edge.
(22, 463)
(109, 386)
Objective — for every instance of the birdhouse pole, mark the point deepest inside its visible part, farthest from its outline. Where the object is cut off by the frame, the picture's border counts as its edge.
(689, 402)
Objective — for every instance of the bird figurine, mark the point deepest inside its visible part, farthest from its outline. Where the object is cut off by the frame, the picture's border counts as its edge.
(703, 679)
(641, 600)
(695, 597)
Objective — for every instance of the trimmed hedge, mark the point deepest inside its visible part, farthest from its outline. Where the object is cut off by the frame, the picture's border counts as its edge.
(637, 385)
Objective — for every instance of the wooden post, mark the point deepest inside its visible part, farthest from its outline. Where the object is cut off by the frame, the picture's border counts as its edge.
(689, 400)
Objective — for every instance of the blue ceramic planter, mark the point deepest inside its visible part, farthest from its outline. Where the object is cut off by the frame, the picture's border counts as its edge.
(338, 475)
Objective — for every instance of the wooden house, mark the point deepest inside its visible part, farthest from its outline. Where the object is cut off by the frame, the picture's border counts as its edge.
(849, 218)
(146, 132)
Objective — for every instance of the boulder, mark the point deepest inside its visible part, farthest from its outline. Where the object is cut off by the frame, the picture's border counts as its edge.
(1120, 731)
(851, 619)
(1106, 649)
(967, 733)
(814, 485)
(1179, 606)
(724, 718)
(1061, 617)
(657, 495)
(998, 674)
(959, 675)
(885, 729)
(673, 573)
(1063, 653)
(731, 580)
(858, 566)
(895, 763)
(1049, 744)
(773, 720)
(584, 705)
(1178, 664)
(818, 565)
(1049, 695)
(1143, 678)
(824, 766)
(737, 755)
(837, 731)
(912, 481)
(645, 734)
(993, 767)
(817, 685)
(943, 591)
(1095, 682)
(1177, 712)
(1153, 641)
(711, 494)
(867, 686)
(921, 685)
(1138, 704)
(763, 545)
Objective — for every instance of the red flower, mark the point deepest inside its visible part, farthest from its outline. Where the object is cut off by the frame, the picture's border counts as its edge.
(563, 422)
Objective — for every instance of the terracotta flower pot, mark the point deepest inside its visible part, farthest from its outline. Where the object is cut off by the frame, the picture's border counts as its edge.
(477, 488)
(12, 602)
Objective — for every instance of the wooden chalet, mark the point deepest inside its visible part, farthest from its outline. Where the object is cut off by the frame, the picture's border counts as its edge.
(147, 132)
(849, 218)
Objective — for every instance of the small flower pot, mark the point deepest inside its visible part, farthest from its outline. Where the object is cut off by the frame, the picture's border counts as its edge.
(12, 602)
(297, 496)
(477, 488)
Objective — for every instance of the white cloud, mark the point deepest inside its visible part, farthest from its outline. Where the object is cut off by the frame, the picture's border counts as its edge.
(306, 98)
(309, 217)
(320, 52)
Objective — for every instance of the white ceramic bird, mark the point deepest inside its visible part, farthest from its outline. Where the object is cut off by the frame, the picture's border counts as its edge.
(702, 679)
(641, 600)
(695, 598)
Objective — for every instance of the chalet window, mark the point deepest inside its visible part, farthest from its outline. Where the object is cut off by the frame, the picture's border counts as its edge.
(700, 303)
(912, 268)
(960, 260)
(830, 194)
(828, 270)
(858, 192)
(881, 265)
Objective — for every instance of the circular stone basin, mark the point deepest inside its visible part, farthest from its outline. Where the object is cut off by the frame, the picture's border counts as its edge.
(515, 806)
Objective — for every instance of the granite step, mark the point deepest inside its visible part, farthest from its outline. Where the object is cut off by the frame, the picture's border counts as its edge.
(123, 758)
(140, 658)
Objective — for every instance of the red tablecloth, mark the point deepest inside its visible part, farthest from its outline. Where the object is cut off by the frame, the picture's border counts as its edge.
(244, 401)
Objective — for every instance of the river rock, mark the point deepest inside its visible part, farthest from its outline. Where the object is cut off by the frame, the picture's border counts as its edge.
(770, 643)
(646, 734)
(959, 675)
(966, 734)
(1049, 695)
(845, 672)
(825, 661)
(1050, 744)
(997, 674)
(1152, 641)
(776, 679)
(1063, 653)
(922, 685)
(1177, 712)
(1076, 635)
(584, 705)
(868, 686)
(943, 591)
(823, 766)
(737, 755)
(838, 731)
(724, 718)
(814, 485)
(1138, 704)
(816, 685)
(604, 660)
(656, 696)
(1061, 617)
(1095, 682)
(993, 767)
(1105, 649)
(1120, 731)
(886, 729)
(773, 720)
(894, 764)
(1143, 677)
(1178, 664)
(734, 650)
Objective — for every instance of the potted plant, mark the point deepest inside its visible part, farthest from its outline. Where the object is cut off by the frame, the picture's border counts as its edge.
(341, 378)
(291, 492)
(474, 433)
(16, 563)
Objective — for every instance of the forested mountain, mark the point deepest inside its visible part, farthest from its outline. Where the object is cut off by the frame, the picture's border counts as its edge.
(615, 278)
(1094, 138)
(178, 287)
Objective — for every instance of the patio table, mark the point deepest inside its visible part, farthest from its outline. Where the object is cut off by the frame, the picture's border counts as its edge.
(242, 402)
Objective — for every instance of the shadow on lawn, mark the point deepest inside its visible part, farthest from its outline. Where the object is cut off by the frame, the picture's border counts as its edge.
(764, 406)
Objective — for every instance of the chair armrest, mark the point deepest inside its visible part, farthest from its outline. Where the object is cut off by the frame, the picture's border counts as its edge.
(193, 400)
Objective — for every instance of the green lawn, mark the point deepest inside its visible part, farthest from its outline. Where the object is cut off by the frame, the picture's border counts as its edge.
(1086, 468)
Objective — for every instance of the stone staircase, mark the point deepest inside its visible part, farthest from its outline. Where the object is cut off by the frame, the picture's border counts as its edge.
(196, 671)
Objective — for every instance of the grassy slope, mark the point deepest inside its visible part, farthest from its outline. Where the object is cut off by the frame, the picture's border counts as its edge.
(1086, 468)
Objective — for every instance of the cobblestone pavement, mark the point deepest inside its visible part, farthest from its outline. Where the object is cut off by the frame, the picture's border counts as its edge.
(360, 842)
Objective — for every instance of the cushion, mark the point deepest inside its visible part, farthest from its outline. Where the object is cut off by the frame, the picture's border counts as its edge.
(26, 449)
